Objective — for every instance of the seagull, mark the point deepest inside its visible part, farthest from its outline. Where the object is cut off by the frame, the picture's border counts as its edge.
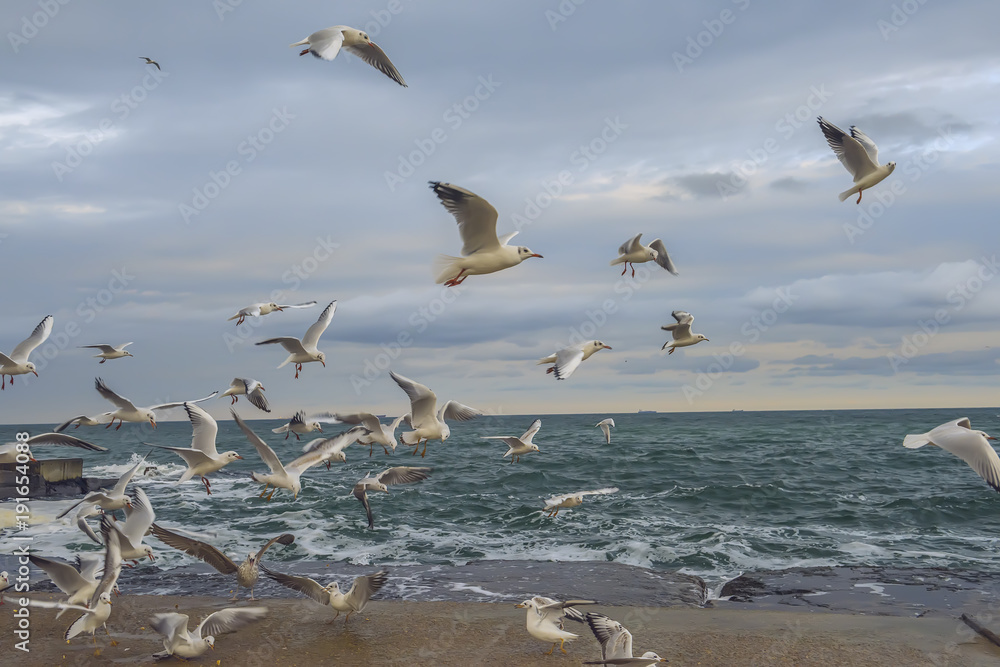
(79, 582)
(246, 572)
(606, 425)
(426, 424)
(261, 309)
(4, 583)
(378, 433)
(958, 438)
(17, 363)
(568, 500)
(109, 501)
(355, 600)
(84, 420)
(519, 446)
(303, 351)
(298, 425)
(633, 252)
(281, 476)
(127, 412)
(859, 155)
(682, 336)
(381, 482)
(10, 451)
(109, 351)
(150, 61)
(482, 251)
(332, 449)
(183, 643)
(139, 516)
(616, 644)
(544, 619)
(567, 359)
(202, 457)
(97, 612)
(253, 390)
(326, 44)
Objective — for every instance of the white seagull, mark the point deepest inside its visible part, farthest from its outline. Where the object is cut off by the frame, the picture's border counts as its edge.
(516, 447)
(17, 363)
(958, 438)
(305, 350)
(634, 252)
(355, 600)
(859, 155)
(107, 501)
(127, 411)
(566, 360)
(10, 451)
(298, 425)
(568, 500)
(332, 449)
(202, 457)
(378, 433)
(246, 572)
(139, 516)
(606, 425)
(544, 619)
(427, 424)
(179, 641)
(482, 251)
(261, 309)
(681, 331)
(253, 390)
(381, 482)
(109, 351)
(79, 582)
(326, 44)
(616, 644)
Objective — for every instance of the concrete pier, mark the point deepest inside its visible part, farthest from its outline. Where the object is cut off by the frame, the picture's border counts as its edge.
(49, 478)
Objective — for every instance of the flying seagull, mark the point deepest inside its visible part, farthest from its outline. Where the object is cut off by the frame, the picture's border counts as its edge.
(305, 350)
(253, 390)
(859, 155)
(127, 411)
(606, 425)
(150, 61)
(355, 600)
(681, 331)
(326, 44)
(110, 351)
(971, 446)
(427, 424)
(261, 309)
(568, 500)
(10, 451)
(183, 643)
(298, 425)
(568, 359)
(202, 457)
(17, 363)
(381, 482)
(634, 252)
(516, 447)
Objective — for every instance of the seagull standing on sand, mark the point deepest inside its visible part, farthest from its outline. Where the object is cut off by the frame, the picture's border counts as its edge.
(634, 252)
(971, 446)
(355, 600)
(569, 358)
(246, 572)
(253, 390)
(305, 350)
(859, 155)
(17, 363)
(606, 425)
(544, 619)
(326, 44)
(616, 644)
(202, 457)
(298, 425)
(427, 424)
(127, 412)
(482, 251)
(681, 331)
(10, 451)
(378, 433)
(261, 309)
(381, 482)
(109, 351)
(179, 641)
(568, 500)
(150, 61)
(519, 446)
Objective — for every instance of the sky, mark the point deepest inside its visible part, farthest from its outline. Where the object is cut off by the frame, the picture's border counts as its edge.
(149, 206)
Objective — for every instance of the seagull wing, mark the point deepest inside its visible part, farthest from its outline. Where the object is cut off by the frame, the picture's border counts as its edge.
(532, 430)
(167, 406)
(205, 429)
(65, 576)
(115, 399)
(366, 419)
(307, 304)
(403, 475)
(477, 219)
(867, 143)
(301, 584)
(326, 43)
(360, 492)
(255, 394)
(455, 411)
(37, 337)
(199, 550)
(972, 448)
(171, 625)
(567, 361)
(372, 54)
(112, 560)
(230, 619)
(598, 492)
(662, 256)
(266, 453)
(126, 477)
(422, 399)
(291, 345)
(107, 349)
(139, 519)
(607, 432)
(631, 245)
(311, 339)
(505, 239)
(61, 439)
(616, 641)
(285, 539)
(364, 587)
(849, 151)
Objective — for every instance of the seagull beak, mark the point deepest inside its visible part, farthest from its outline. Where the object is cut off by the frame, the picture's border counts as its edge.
(989, 437)
(280, 308)
(607, 347)
(35, 372)
(535, 254)
(239, 457)
(153, 422)
(152, 557)
(324, 363)
(519, 606)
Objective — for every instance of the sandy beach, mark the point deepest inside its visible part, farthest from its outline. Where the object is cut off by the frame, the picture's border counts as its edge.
(449, 633)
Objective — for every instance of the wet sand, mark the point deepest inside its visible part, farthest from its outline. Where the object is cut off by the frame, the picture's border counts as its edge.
(296, 632)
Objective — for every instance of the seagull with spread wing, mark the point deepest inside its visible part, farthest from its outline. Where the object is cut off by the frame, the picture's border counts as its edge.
(17, 363)
(328, 42)
(616, 644)
(381, 482)
(126, 410)
(332, 448)
(859, 155)
(959, 438)
(183, 643)
(355, 600)
(606, 425)
(109, 351)
(79, 582)
(427, 424)
(202, 457)
(107, 501)
(681, 332)
(378, 433)
(150, 61)
(568, 500)
(305, 350)
(516, 447)
(246, 572)
(544, 619)
(261, 309)
(633, 252)
(482, 251)
(299, 425)
(569, 358)
(253, 390)
(139, 517)
(10, 451)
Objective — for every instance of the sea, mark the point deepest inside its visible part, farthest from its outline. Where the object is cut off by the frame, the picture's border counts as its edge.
(701, 496)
